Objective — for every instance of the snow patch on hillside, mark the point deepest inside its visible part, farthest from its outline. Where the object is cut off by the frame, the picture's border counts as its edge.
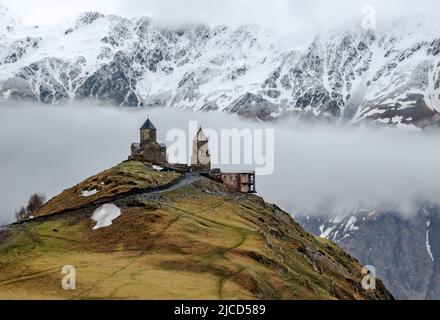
(104, 215)
(428, 244)
(89, 193)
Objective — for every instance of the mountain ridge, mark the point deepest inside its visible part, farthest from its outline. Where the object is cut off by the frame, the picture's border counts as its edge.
(403, 249)
(389, 76)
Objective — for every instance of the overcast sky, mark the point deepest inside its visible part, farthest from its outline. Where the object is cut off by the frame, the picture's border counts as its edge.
(278, 14)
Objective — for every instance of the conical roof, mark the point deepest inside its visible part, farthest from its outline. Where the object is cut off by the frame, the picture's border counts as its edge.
(148, 125)
(200, 136)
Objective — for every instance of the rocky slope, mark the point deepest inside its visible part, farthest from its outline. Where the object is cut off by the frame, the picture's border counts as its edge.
(404, 249)
(189, 239)
(389, 76)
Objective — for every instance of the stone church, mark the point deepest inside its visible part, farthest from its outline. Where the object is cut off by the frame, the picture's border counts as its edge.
(149, 150)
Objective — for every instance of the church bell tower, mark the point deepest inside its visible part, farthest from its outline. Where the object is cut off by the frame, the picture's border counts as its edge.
(148, 132)
(201, 158)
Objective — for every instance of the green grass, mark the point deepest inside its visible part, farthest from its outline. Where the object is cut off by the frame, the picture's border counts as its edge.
(191, 244)
(119, 179)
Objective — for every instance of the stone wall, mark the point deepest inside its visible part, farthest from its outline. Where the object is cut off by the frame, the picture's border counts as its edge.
(150, 152)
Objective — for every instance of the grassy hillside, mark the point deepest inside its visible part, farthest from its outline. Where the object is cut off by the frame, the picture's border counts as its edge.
(120, 179)
(200, 241)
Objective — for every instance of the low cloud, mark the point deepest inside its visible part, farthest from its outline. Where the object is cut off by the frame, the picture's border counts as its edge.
(280, 15)
(338, 168)
(47, 149)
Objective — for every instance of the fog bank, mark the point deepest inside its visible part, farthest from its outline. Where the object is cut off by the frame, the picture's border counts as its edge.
(284, 16)
(47, 149)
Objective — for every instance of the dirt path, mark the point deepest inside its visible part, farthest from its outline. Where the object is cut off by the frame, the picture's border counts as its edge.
(125, 267)
(185, 180)
(241, 239)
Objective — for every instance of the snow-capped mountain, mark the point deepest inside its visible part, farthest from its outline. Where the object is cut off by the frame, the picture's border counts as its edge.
(391, 75)
(405, 250)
